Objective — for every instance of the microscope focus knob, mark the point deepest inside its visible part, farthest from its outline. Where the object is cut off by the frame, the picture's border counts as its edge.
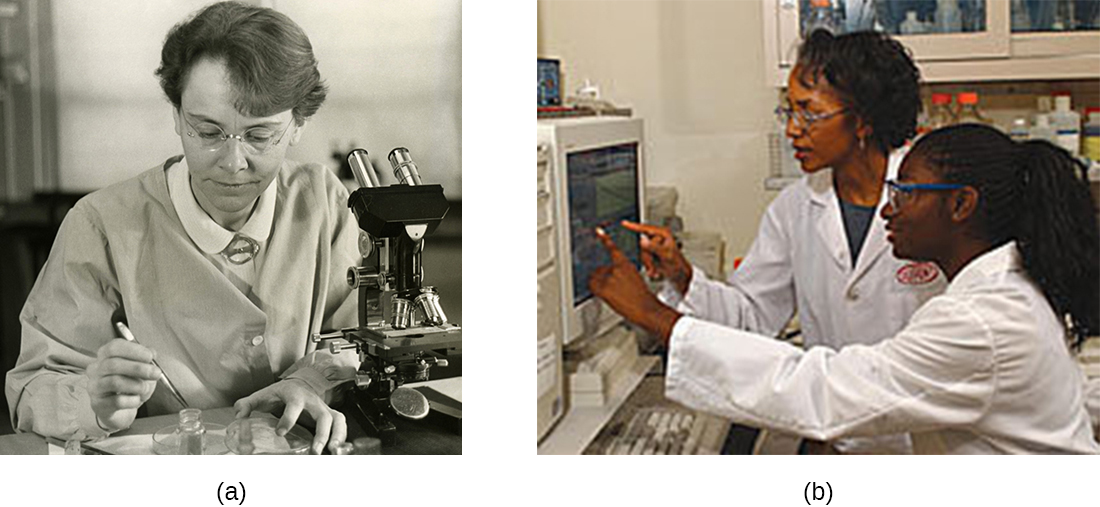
(366, 244)
(335, 347)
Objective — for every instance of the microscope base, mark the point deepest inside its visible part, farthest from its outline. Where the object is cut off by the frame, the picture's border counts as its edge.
(373, 419)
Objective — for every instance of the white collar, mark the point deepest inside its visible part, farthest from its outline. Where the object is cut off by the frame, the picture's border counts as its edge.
(998, 260)
(203, 230)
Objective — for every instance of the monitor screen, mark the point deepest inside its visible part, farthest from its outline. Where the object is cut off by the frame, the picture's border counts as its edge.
(603, 191)
(549, 82)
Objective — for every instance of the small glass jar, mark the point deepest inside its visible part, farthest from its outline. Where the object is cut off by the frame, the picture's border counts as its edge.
(192, 433)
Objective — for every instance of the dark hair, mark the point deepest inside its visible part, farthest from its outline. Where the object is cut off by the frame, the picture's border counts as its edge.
(875, 77)
(1036, 194)
(269, 57)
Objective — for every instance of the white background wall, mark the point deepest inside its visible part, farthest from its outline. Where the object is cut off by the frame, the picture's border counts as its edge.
(393, 69)
(694, 71)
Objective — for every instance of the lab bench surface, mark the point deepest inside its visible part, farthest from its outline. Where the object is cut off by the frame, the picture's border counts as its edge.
(435, 434)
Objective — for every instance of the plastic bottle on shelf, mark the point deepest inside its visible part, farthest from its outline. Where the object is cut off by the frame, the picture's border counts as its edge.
(911, 25)
(1064, 18)
(1021, 21)
(1019, 130)
(941, 114)
(822, 16)
(1042, 130)
(1066, 124)
(969, 111)
(974, 16)
(948, 18)
(1090, 138)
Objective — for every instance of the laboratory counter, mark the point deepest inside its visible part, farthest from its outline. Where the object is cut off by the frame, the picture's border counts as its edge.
(435, 434)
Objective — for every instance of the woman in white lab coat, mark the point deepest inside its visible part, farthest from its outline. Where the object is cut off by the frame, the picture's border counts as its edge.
(821, 250)
(984, 367)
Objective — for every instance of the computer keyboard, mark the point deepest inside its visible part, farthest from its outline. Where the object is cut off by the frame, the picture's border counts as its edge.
(665, 430)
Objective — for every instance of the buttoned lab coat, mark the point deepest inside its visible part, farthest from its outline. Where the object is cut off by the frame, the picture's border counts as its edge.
(124, 246)
(982, 368)
(800, 260)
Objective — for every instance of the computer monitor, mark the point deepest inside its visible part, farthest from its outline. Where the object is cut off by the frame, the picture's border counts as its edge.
(598, 182)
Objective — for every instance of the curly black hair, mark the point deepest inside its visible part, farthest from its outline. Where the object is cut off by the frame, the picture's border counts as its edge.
(1036, 194)
(875, 77)
(269, 58)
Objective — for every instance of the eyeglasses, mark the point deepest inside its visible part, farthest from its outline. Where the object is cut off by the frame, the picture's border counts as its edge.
(804, 119)
(901, 193)
(257, 140)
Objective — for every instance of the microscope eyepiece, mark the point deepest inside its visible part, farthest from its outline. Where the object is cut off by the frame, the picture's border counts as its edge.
(404, 169)
(362, 169)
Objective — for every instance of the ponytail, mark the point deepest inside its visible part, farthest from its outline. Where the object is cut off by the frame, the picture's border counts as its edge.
(1034, 193)
(1058, 235)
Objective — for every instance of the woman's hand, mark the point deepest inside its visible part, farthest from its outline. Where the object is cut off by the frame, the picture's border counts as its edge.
(623, 289)
(121, 379)
(660, 255)
(295, 396)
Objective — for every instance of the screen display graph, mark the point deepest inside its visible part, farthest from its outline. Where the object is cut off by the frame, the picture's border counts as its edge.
(603, 191)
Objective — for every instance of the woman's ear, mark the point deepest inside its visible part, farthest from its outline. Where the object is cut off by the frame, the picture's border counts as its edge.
(297, 134)
(863, 132)
(177, 121)
(964, 204)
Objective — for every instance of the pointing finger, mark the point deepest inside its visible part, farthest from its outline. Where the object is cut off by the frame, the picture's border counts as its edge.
(616, 254)
(648, 230)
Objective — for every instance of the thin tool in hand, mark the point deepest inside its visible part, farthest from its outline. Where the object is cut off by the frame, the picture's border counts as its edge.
(120, 325)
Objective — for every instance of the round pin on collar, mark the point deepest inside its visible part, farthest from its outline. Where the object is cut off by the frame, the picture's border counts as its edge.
(241, 250)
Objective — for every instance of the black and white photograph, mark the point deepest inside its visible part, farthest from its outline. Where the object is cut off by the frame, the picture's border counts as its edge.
(215, 223)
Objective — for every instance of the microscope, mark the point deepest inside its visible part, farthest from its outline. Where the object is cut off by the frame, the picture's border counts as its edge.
(393, 221)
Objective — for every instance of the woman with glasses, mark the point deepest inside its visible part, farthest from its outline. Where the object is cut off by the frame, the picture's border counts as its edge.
(820, 252)
(223, 260)
(985, 367)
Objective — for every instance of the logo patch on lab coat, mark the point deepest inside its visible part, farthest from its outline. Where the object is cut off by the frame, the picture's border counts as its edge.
(917, 273)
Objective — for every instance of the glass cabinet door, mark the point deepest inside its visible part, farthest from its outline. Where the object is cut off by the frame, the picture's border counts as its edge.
(1030, 16)
(952, 39)
(932, 29)
(895, 17)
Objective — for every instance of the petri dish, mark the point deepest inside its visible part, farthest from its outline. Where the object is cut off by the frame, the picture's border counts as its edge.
(166, 440)
(264, 439)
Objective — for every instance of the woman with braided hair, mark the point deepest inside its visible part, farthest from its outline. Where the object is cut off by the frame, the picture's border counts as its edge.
(985, 367)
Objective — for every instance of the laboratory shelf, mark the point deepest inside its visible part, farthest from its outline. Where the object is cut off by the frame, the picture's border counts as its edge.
(581, 424)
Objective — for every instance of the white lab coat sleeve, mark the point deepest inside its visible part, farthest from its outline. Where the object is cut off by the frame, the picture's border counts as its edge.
(66, 319)
(324, 371)
(938, 371)
(668, 294)
(760, 295)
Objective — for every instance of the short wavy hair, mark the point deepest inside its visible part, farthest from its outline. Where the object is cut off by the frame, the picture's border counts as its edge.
(269, 58)
(875, 77)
